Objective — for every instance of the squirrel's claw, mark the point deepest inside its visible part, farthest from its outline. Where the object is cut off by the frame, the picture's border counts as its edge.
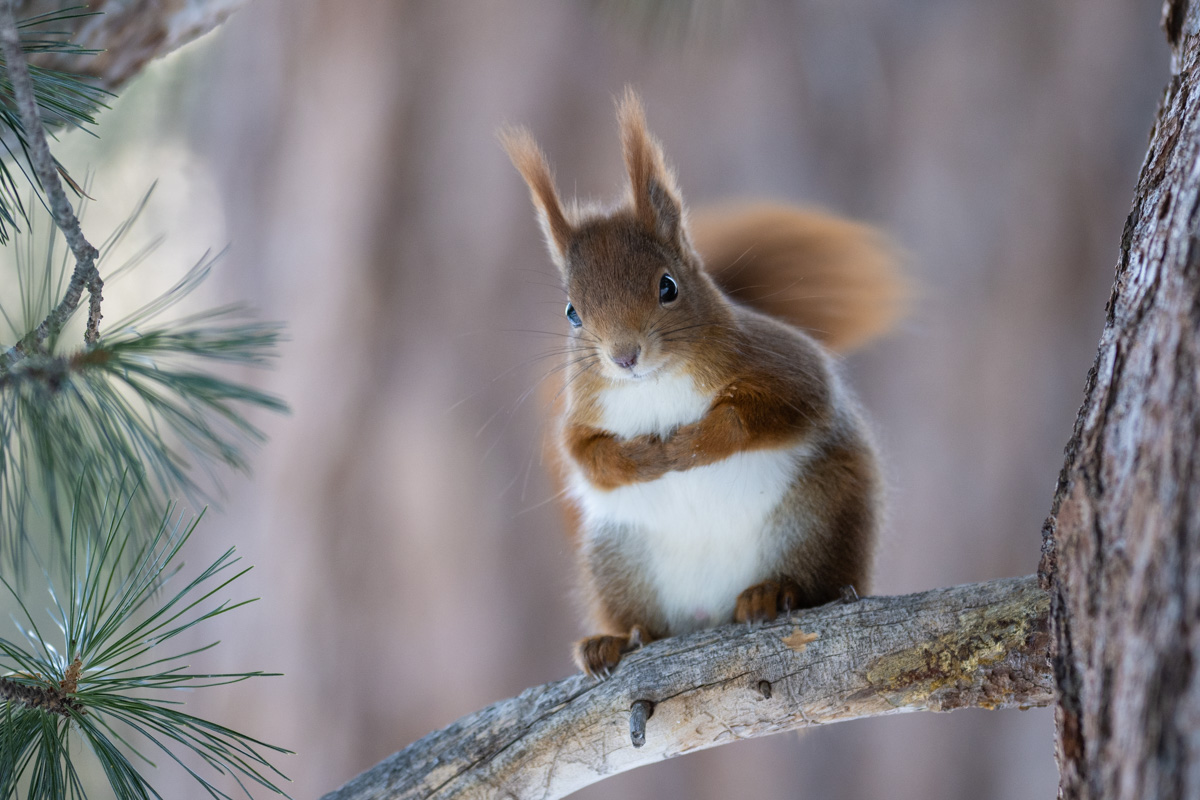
(762, 602)
(598, 656)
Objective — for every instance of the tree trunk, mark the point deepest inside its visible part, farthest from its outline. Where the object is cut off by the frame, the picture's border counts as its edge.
(1121, 554)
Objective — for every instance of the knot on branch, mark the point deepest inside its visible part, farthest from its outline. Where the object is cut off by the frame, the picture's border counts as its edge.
(53, 698)
(50, 373)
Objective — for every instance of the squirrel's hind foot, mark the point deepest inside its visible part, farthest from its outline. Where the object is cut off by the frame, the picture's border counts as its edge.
(762, 602)
(598, 656)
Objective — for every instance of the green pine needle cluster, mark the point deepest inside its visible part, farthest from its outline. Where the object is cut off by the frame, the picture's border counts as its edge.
(65, 101)
(104, 684)
(143, 400)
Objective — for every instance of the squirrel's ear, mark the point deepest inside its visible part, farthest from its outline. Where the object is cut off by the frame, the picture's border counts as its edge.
(529, 160)
(655, 196)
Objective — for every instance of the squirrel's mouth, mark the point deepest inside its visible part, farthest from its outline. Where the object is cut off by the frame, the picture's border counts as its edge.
(637, 372)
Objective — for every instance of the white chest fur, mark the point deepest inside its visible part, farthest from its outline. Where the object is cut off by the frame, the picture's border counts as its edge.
(700, 534)
(658, 404)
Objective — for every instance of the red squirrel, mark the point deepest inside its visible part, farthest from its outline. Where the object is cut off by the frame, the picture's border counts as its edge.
(719, 468)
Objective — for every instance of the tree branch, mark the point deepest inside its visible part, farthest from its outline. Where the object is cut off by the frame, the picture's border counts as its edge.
(85, 273)
(128, 34)
(982, 645)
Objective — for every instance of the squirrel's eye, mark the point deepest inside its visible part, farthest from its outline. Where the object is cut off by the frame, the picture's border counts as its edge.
(667, 289)
(573, 315)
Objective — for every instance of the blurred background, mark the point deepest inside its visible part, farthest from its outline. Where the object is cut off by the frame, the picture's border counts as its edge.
(410, 558)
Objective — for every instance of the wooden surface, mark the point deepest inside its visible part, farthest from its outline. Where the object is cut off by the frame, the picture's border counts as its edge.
(981, 645)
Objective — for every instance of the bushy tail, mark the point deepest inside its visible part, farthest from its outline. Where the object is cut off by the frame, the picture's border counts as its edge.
(838, 280)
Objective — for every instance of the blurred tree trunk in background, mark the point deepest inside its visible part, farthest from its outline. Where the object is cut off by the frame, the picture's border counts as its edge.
(1122, 550)
(352, 143)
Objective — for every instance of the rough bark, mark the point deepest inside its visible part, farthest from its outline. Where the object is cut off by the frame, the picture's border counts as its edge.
(982, 645)
(1122, 545)
(129, 33)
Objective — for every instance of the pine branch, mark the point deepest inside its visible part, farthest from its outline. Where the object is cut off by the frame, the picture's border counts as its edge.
(85, 273)
(983, 645)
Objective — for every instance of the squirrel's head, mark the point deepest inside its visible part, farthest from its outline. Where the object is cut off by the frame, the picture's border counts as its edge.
(639, 298)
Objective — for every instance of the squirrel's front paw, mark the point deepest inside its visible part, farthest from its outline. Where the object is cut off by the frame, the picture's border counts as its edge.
(598, 656)
(763, 601)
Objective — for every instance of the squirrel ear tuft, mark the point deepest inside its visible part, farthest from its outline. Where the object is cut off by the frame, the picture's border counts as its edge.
(531, 162)
(656, 201)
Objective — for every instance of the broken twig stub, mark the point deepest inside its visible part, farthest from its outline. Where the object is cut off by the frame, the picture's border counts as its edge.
(638, 714)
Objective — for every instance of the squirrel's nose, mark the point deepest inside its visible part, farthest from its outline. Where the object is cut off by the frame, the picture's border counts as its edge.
(626, 356)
